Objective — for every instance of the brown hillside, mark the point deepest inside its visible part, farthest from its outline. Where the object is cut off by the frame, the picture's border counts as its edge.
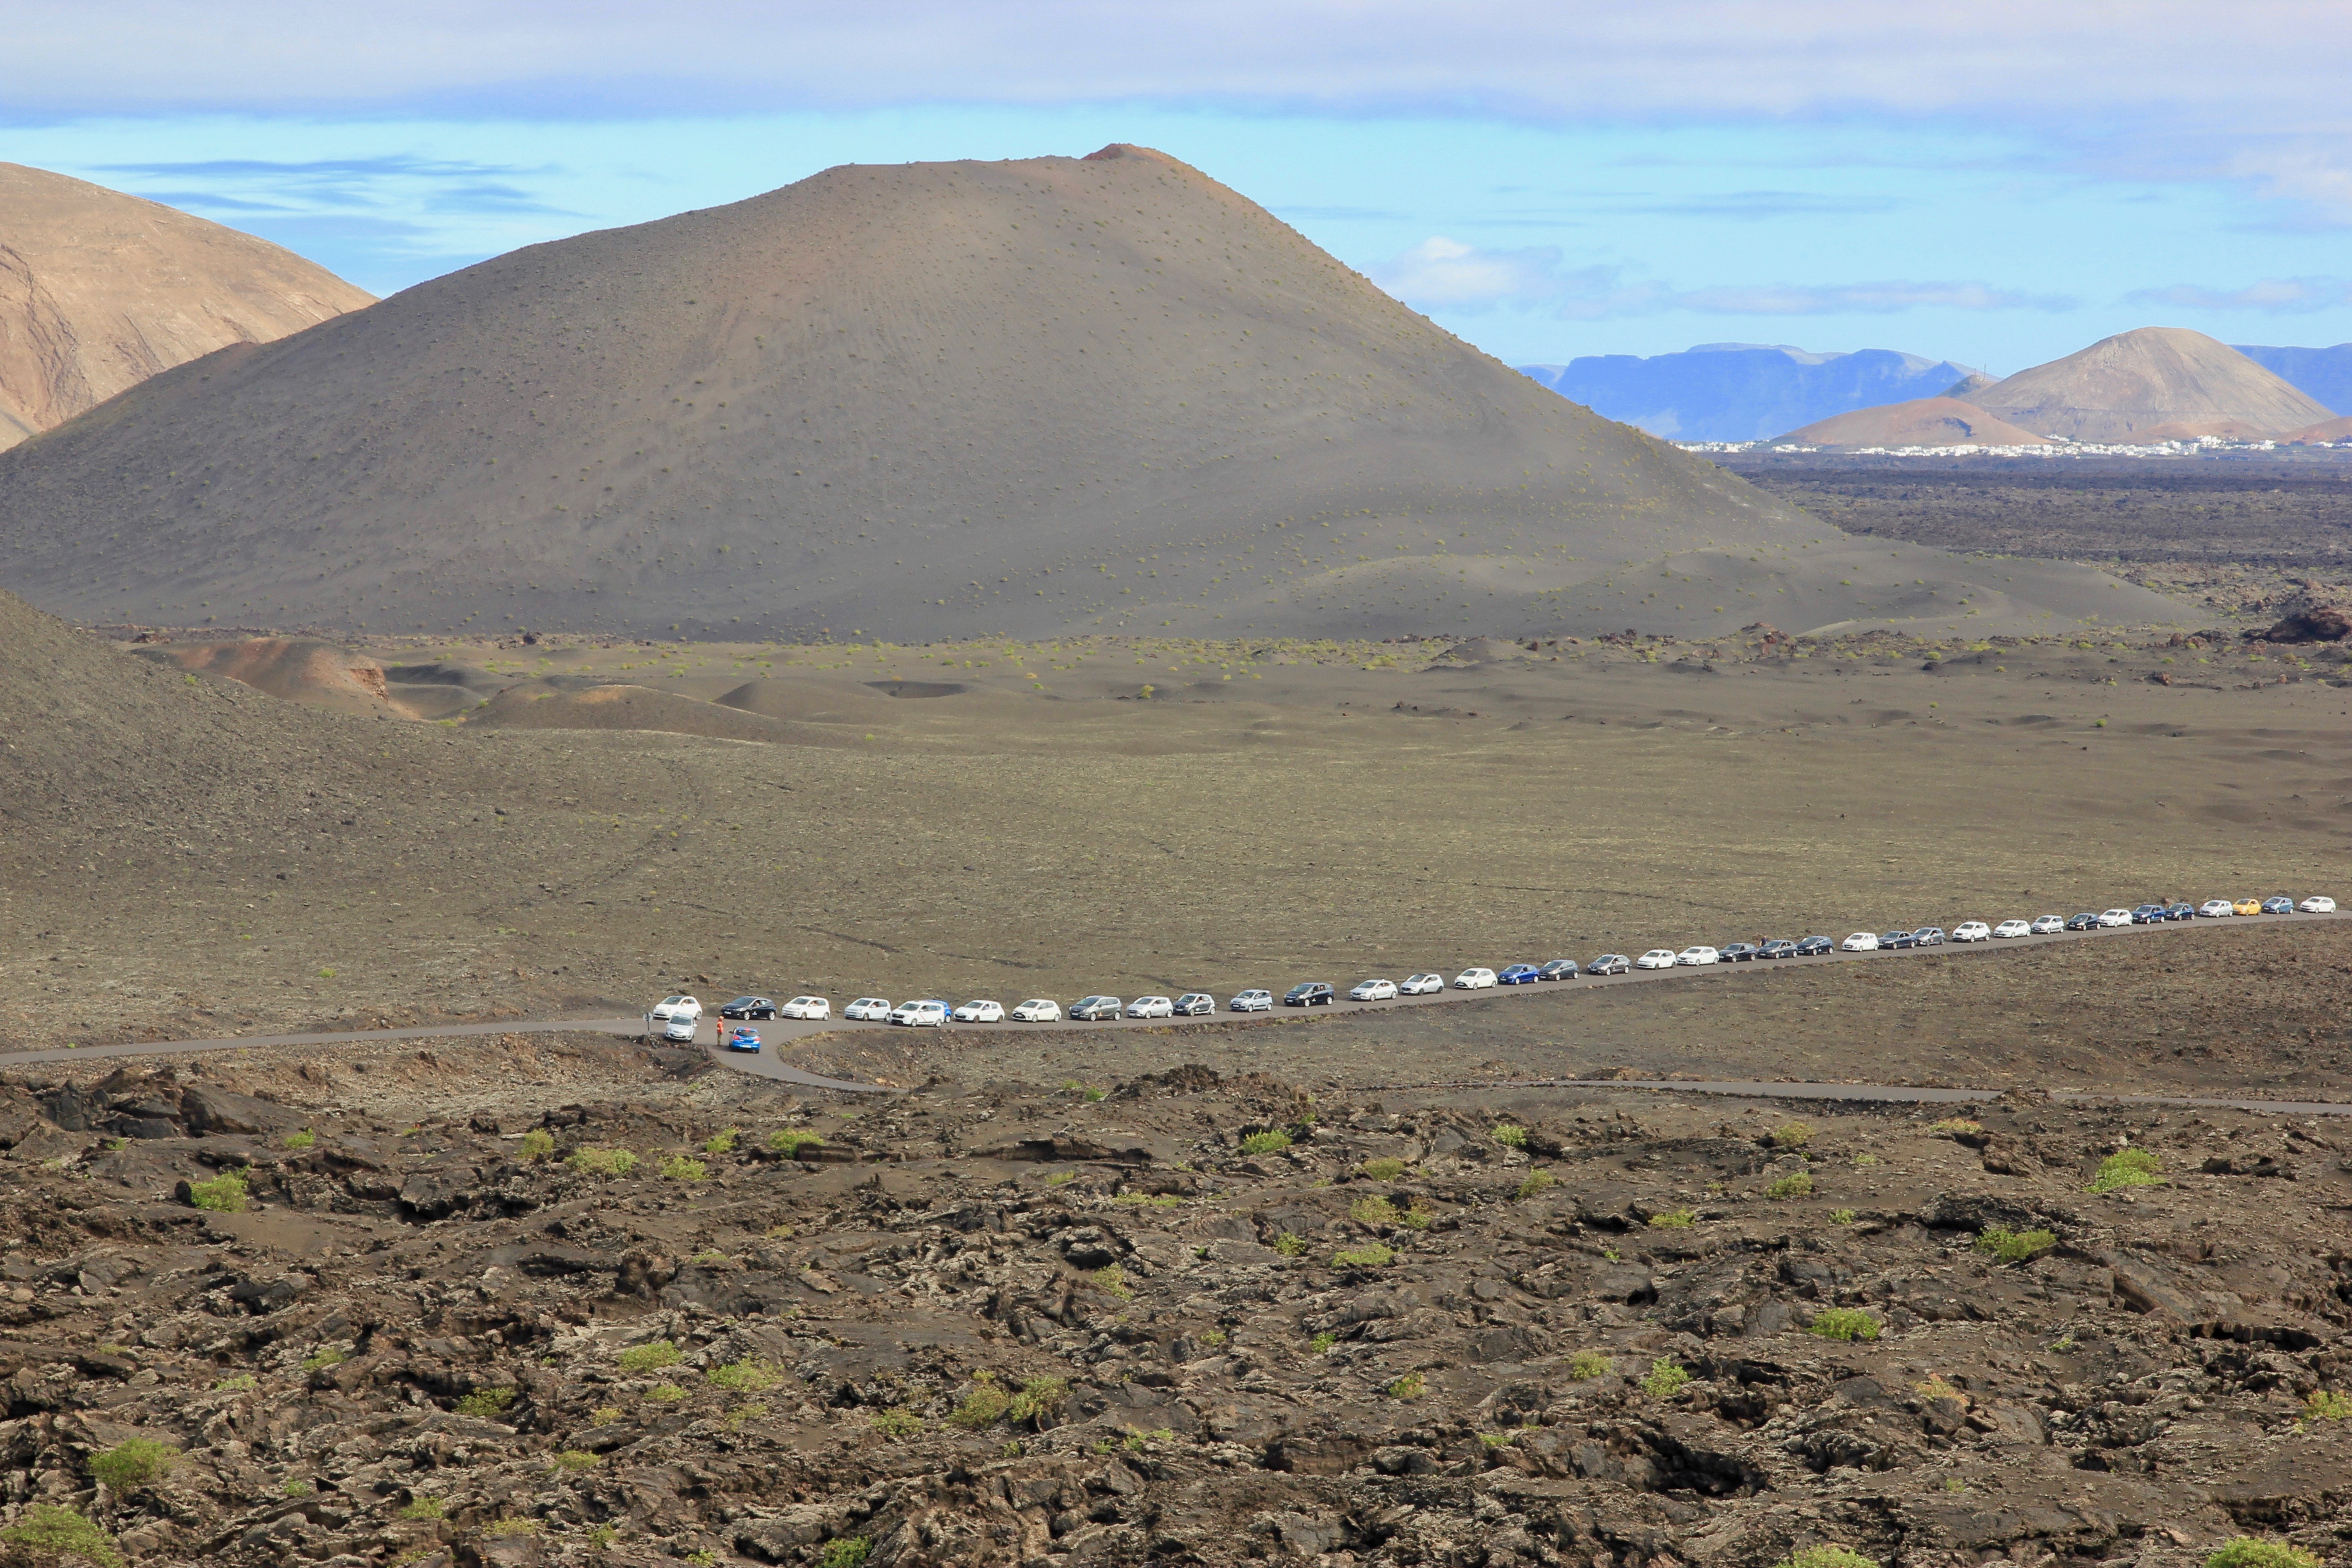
(2327, 431)
(916, 401)
(100, 290)
(1922, 422)
(2137, 383)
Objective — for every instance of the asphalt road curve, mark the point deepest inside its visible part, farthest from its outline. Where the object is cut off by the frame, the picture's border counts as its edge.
(775, 1034)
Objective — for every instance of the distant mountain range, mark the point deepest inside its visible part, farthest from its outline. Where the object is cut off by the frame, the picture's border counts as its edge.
(1753, 391)
(1741, 392)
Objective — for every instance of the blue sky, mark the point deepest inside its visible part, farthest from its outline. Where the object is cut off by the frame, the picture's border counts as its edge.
(1548, 180)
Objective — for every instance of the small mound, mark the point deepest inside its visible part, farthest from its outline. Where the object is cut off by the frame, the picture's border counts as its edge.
(1923, 422)
(300, 670)
(2325, 433)
(543, 706)
(1485, 650)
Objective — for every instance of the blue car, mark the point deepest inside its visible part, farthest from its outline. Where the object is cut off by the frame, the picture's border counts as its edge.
(1519, 975)
(743, 1038)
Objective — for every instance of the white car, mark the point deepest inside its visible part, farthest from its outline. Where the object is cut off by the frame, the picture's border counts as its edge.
(978, 1013)
(1972, 930)
(1373, 991)
(680, 1027)
(1195, 1004)
(1421, 984)
(1656, 958)
(2318, 904)
(1252, 1002)
(920, 1014)
(1860, 941)
(868, 1010)
(2123, 917)
(1151, 1007)
(806, 1007)
(2009, 929)
(2212, 910)
(1474, 980)
(2047, 925)
(669, 1008)
(1699, 955)
(1038, 1010)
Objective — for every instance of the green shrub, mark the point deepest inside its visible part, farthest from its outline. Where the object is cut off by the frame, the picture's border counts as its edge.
(57, 1534)
(2130, 1168)
(1059, 1177)
(665, 1393)
(2252, 1552)
(983, 1406)
(1843, 1323)
(1371, 1254)
(1372, 1211)
(487, 1402)
(1411, 1385)
(302, 1140)
(1321, 1343)
(236, 1383)
(1111, 1279)
(224, 1194)
(605, 1416)
(325, 1357)
(790, 1143)
(845, 1551)
(1673, 1219)
(1536, 1182)
(425, 1507)
(751, 1375)
(1510, 1135)
(511, 1526)
(722, 1142)
(575, 1460)
(651, 1357)
(2325, 1405)
(1418, 1217)
(1843, 1216)
(1826, 1557)
(1149, 1200)
(1795, 1185)
(1382, 1169)
(1289, 1245)
(603, 1162)
(680, 1168)
(1586, 1365)
(1039, 1397)
(297, 1488)
(1665, 1379)
(1954, 1124)
(127, 1465)
(1271, 1141)
(1791, 1135)
(2014, 1246)
(898, 1424)
(537, 1143)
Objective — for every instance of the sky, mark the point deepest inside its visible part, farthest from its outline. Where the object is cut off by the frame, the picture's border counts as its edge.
(1997, 184)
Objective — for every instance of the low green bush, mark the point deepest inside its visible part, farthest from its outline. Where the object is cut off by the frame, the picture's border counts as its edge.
(1586, 1365)
(2252, 1551)
(790, 1143)
(1371, 1254)
(302, 1140)
(1511, 1136)
(1321, 1343)
(1665, 1378)
(56, 1534)
(845, 1551)
(2014, 1246)
(681, 1168)
(2129, 1168)
(1791, 1135)
(1411, 1385)
(1536, 1182)
(1271, 1141)
(751, 1375)
(486, 1402)
(653, 1357)
(1826, 1557)
(722, 1142)
(1673, 1219)
(1039, 1397)
(898, 1424)
(537, 1143)
(1843, 1323)
(224, 1194)
(603, 1162)
(130, 1464)
(575, 1460)
(1795, 1185)
(983, 1406)
(1290, 1246)
(425, 1507)
(1383, 1170)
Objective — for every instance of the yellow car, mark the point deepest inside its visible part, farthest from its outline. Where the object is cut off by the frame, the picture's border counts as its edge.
(2247, 907)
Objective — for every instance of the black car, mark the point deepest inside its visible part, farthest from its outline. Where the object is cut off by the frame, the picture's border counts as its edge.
(1314, 993)
(2086, 920)
(1610, 963)
(1738, 952)
(749, 1007)
(1557, 969)
(2147, 914)
(1928, 936)
(1779, 947)
(2181, 912)
(1893, 938)
(1814, 944)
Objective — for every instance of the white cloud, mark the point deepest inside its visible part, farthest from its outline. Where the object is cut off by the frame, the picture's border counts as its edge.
(1443, 274)
(2279, 295)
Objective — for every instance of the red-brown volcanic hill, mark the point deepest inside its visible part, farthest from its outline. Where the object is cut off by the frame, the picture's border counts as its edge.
(915, 401)
(2152, 384)
(1922, 422)
(100, 290)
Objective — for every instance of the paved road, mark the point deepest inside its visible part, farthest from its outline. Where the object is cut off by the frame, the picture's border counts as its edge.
(780, 1032)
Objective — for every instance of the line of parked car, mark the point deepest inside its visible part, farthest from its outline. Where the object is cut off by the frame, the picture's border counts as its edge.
(676, 1017)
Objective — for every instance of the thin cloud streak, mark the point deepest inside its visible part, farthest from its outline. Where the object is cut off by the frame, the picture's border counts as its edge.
(2282, 296)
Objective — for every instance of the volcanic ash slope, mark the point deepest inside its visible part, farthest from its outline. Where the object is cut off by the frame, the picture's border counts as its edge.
(100, 290)
(912, 402)
(2154, 383)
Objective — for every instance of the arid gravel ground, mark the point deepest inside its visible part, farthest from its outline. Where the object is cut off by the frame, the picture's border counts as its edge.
(1200, 1318)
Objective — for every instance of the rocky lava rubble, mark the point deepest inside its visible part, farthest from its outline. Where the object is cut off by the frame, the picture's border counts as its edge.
(1012, 1324)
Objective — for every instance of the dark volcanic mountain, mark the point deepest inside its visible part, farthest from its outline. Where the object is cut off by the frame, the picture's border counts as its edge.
(932, 400)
